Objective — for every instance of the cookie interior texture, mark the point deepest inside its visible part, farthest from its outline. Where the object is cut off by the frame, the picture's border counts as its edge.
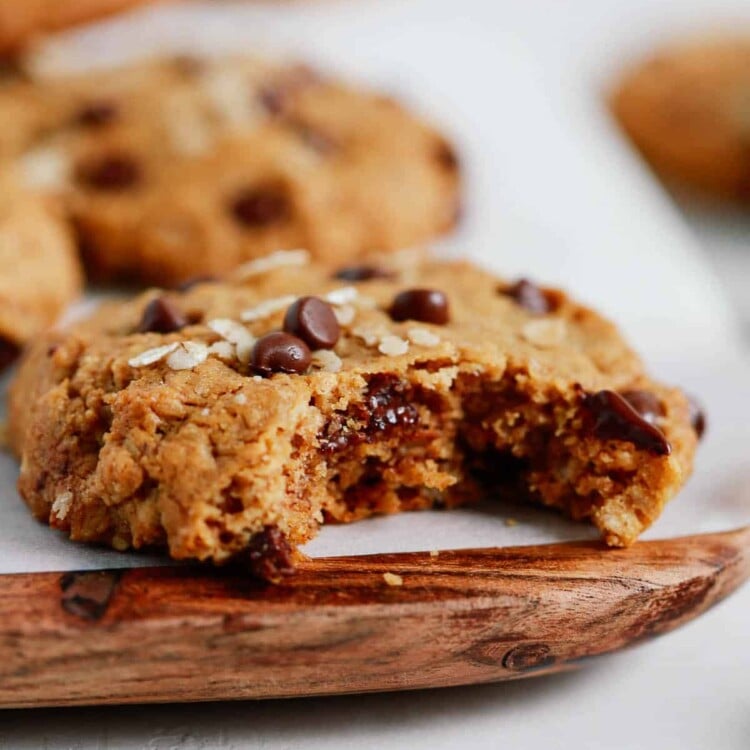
(183, 167)
(137, 439)
(687, 109)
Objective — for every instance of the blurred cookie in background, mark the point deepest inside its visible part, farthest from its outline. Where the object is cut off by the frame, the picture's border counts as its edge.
(687, 109)
(189, 167)
(21, 21)
(39, 268)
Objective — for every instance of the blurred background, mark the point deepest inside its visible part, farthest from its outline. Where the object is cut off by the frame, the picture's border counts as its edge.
(553, 189)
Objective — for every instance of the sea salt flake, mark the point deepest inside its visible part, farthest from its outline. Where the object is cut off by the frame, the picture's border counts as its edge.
(236, 334)
(393, 346)
(422, 337)
(187, 355)
(369, 334)
(150, 356)
(223, 350)
(240, 398)
(345, 314)
(342, 296)
(326, 360)
(279, 259)
(267, 308)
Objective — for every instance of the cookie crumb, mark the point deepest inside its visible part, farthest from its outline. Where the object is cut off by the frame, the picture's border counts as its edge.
(61, 505)
(151, 356)
(275, 260)
(422, 337)
(511, 522)
(187, 355)
(267, 308)
(393, 346)
(392, 579)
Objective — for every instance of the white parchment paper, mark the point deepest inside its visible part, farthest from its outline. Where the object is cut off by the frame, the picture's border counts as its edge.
(540, 156)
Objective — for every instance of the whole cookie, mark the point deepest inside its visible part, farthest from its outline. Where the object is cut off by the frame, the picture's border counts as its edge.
(688, 111)
(39, 269)
(230, 420)
(186, 168)
(22, 20)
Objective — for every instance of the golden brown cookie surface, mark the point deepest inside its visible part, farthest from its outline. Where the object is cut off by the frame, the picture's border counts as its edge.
(687, 109)
(22, 20)
(39, 269)
(183, 168)
(240, 415)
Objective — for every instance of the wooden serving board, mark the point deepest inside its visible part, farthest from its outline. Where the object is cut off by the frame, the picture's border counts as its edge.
(468, 616)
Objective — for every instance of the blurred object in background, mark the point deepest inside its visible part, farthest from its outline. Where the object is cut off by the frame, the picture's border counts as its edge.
(23, 20)
(188, 167)
(687, 109)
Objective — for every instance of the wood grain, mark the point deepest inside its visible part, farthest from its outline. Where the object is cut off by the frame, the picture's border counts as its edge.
(186, 634)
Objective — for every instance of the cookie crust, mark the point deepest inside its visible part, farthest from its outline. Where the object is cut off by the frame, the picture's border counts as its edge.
(137, 439)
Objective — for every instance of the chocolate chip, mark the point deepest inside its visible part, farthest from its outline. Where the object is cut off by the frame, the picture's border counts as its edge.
(425, 305)
(697, 416)
(280, 352)
(529, 296)
(314, 321)
(161, 316)
(111, 172)
(268, 555)
(446, 156)
(615, 419)
(362, 273)
(261, 205)
(95, 114)
(647, 404)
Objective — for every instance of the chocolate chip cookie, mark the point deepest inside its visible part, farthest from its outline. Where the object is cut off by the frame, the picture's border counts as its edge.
(688, 111)
(231, 419)
(39, 269)
(22, 20)
(190, 167)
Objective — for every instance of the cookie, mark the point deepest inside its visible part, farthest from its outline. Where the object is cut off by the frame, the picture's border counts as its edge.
(228, 421)
(22, 20)
(688, 111)
(186, 168)
(40, 272)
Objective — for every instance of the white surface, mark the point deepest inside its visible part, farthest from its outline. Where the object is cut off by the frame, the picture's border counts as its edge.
(555, 195)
